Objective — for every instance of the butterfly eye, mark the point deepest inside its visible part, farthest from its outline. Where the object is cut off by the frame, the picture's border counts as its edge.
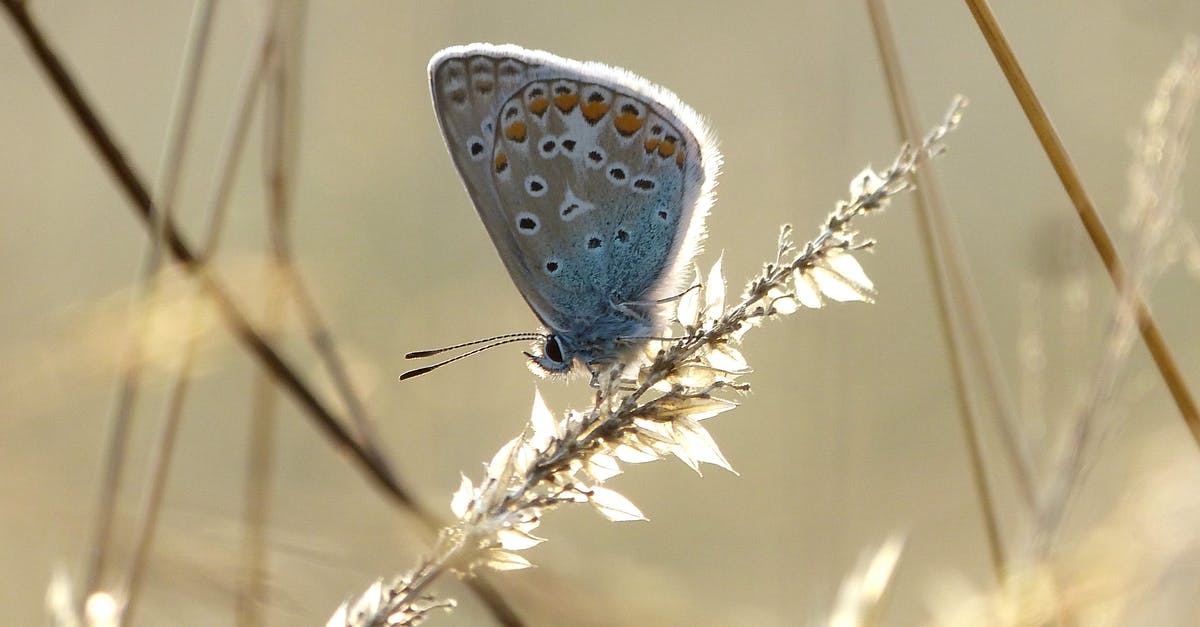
(553, 350)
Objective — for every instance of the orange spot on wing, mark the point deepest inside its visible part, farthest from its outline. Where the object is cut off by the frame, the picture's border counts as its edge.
(501, 162)
(666, 149)
(516, 131)
(538, 105)
(679, 158)
(566, 102)
(593, 111)
(651, 144)
(627, 124)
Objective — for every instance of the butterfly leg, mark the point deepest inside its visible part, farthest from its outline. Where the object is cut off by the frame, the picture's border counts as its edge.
(595, 382)
(628, 308)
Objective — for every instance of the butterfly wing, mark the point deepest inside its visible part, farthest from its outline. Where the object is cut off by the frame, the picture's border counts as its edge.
(593, 183)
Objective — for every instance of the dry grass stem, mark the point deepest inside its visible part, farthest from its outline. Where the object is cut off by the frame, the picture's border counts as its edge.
(960, 318)
(172, 166)
(1160, 151)
(251, 337)
(1139, 564)
(1061, 161)
(253, 590)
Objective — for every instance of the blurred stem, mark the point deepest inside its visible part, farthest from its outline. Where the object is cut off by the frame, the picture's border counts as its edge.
(1159, 155)
(946, 259)
(252, 591)
(1101, 241)
(160, 468)
(279, 133)
(174, 152)
(131, 184)
(942, 263)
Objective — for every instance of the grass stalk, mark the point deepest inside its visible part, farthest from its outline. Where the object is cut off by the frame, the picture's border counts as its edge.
(935, 245)
(1040, 122)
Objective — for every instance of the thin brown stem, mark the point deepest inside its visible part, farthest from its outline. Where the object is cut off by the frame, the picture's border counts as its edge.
(159, 472)
(175, 156)
(174, 152)
(937, 261)
(114, 459)
(252, 591)
(280, 158)
(1052, 145)
(931, 210)
(131, 184)
(236, 142)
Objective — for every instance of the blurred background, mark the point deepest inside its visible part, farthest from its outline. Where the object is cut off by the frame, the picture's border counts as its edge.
(851, 433)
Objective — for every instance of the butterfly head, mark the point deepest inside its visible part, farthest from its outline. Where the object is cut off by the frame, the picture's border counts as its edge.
(605, 339)
(559, 353)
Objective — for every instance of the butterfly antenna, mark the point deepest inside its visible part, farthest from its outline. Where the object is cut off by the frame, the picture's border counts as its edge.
(503, 339)
(507, 337)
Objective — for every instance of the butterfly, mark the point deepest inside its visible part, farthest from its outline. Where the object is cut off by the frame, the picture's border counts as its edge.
(593, 184)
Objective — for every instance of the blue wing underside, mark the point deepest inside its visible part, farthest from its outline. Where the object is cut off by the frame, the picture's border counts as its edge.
(587, 187)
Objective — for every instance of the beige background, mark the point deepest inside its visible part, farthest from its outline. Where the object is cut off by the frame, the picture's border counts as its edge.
(849, 436)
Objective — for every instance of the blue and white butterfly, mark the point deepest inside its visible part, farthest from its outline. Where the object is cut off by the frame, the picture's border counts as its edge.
(593, 184)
